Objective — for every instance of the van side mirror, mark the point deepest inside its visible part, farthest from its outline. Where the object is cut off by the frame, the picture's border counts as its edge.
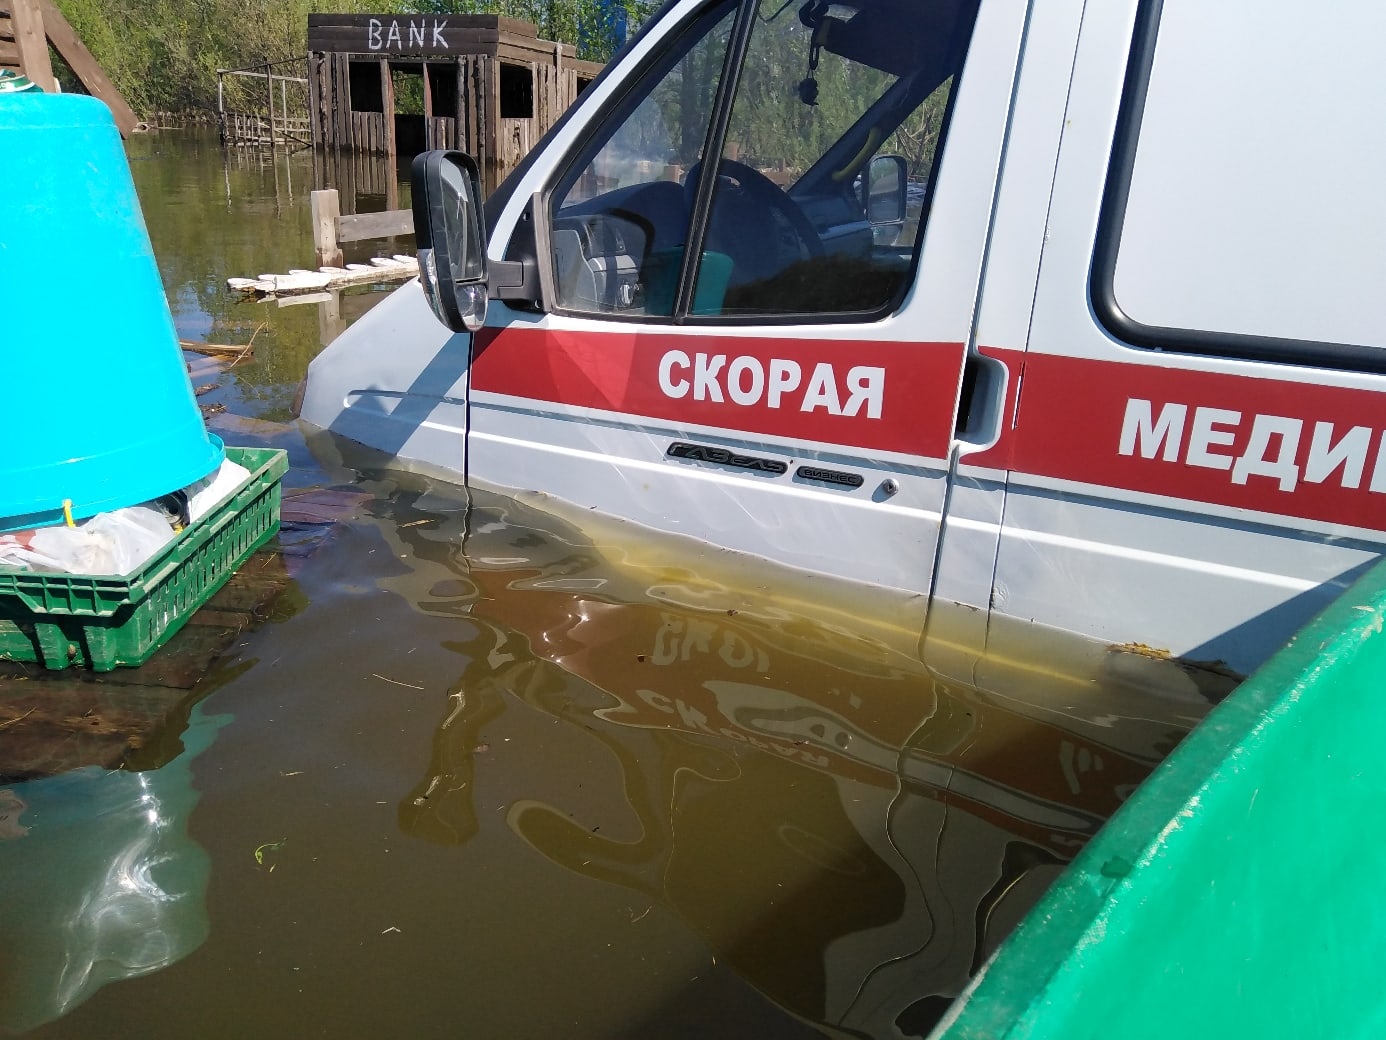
(886, 181)
(451, 234)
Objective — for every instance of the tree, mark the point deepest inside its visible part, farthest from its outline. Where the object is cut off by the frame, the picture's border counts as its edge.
(164, 54)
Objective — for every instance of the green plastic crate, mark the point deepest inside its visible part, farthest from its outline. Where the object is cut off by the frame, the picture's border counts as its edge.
(107, 621)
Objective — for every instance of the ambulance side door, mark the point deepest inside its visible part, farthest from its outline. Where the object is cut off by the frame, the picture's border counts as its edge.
(1193, 463)
(731, 348)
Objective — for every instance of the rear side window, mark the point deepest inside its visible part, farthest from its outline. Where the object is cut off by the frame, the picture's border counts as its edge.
(1245, 210)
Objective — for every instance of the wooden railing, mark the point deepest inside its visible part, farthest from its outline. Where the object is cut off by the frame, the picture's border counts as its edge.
(284, 117)
(331, 228)
(259, 129)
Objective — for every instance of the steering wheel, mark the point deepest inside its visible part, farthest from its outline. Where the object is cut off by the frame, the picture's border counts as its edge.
(760, 193)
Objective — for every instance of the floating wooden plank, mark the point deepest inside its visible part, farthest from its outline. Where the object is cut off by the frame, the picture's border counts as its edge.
(381, 269)
(216, 349)
(325, 296)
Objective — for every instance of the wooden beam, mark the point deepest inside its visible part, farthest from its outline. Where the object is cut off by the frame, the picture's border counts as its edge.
(315, 107)
(71, 49)
(387, 105)
(27, 21)
(362, 226)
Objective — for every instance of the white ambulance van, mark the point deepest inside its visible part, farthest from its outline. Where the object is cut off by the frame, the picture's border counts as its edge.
(1057, 319)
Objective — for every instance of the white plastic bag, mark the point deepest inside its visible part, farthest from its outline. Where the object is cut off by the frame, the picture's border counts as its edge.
(120, 541)
(117, 542)
(212, 490)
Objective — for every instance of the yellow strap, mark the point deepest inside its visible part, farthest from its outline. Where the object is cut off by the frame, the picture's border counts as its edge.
(873, 138)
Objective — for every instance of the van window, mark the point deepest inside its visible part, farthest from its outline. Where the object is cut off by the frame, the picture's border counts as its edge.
(828, 134)
(1244, 213)
(620, 219)
(816, 103)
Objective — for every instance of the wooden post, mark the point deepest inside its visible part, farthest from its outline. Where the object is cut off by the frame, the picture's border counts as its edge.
(330, 324)
(462, 112)
(314, 103)
(429, 142)
(27, 22)
(269, 89)
(387, 104)
(491, 162)
(326, 207)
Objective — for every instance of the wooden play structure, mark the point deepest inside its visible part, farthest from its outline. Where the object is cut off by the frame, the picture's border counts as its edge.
(28, 28)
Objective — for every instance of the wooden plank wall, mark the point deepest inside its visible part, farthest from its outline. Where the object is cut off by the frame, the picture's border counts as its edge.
(366, 133)
(517, 137)
(357, 176)
(442, 132)
(335, 125)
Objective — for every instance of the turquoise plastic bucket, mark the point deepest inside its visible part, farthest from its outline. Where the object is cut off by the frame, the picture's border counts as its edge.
(95, 404)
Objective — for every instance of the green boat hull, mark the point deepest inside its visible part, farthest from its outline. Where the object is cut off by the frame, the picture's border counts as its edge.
(1240, 890)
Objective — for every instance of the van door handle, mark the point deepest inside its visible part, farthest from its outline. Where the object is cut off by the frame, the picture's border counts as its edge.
(982, 404)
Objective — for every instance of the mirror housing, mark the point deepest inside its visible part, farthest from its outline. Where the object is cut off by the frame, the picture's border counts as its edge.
(451, 232)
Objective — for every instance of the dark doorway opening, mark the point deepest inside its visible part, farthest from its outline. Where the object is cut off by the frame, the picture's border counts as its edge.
(363, 79)
(410, 134)
(442, 89)
(516, 92)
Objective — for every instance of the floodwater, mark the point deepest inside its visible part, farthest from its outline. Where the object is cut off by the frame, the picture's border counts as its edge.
(494, 769)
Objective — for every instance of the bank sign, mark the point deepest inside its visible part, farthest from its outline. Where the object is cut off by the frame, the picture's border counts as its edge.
(427, 35)
(408, 34)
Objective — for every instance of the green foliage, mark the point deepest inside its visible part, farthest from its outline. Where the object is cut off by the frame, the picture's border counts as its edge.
(164, 54)
(409, 94)
(773, 127)
(586, 24)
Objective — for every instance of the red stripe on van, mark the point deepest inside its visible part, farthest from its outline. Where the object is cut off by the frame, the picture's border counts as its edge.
(620, 372)
(1069, 420)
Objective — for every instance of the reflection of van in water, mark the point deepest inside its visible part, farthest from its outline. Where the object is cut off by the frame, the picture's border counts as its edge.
(1125, 381)
(849, 834)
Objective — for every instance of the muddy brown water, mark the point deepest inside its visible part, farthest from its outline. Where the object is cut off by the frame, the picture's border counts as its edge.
(494, 768)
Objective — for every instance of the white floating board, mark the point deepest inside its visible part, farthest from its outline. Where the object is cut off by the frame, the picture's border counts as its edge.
(380, 269)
